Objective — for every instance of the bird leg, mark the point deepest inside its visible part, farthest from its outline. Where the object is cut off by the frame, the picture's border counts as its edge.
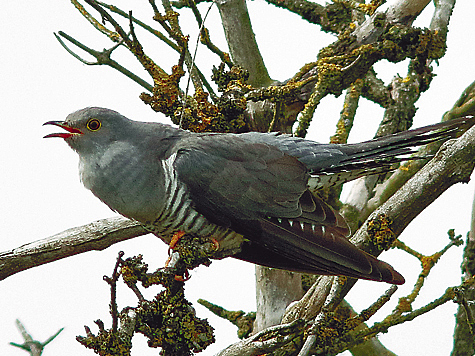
(173, 242)
(177, 236)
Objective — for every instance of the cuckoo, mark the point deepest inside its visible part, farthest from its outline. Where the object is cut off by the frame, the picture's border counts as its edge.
(253, 193)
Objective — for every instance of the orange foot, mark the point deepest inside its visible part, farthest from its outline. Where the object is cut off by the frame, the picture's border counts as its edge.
(173, 242)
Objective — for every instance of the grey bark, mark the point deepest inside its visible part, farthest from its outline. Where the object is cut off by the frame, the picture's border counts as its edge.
(275, 289)
(464, 339)
(242, 41)
(97, 235)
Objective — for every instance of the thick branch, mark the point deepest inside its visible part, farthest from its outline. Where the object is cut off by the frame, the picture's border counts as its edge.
(97, 235)
(241, 40)
(443, 12)
(275, 290)
(464, 341)
(453, 163)
(331, 17)
(401, 12)
(400, 109)
(265, 341)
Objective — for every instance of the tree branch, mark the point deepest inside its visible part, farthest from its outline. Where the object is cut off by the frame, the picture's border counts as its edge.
(265, 341)
(33, 347)
(241, 40)
(97, 235)
(333, 17)
(401, 12)
(205, 36)
(102, 58)
(400, 109)
(464, 338)
(452, 164)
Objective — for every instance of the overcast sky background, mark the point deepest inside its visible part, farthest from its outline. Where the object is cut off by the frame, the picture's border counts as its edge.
(41, 194)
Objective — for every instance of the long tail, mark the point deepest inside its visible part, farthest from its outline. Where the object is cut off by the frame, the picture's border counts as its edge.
(379, 155)
(397, 147)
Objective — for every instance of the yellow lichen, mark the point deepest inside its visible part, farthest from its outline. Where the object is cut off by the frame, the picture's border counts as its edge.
(379, 230)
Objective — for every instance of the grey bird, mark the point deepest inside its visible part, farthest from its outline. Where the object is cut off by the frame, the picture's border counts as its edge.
(251, 193)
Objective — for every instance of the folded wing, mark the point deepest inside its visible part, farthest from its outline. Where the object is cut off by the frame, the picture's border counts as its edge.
(261, 192)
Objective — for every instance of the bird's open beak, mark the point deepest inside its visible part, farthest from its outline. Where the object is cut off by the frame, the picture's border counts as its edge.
(71, 131)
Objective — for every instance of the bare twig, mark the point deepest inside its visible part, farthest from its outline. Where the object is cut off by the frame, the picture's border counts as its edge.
(112, 282)
(102, 58)
(134, 46)
(204, 33)
(35, 348)
(154, 32)
(97, 24)
(188, 60)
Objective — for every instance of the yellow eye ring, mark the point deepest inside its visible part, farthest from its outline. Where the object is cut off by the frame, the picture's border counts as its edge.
(93, 125)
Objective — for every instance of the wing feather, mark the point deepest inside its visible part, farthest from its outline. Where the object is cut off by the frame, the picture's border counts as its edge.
(262, 193)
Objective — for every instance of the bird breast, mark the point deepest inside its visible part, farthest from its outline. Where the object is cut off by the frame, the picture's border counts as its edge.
(125, 179)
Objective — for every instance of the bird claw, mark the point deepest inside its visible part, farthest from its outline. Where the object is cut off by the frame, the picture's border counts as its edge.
(174, 241)
(186, 276)
(172, 259)
(179, 235)
(215, 244)
(167, 262)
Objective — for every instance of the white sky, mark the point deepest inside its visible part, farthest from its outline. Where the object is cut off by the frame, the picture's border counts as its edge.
(41, 194)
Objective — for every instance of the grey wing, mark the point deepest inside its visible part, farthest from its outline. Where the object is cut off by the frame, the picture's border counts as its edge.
(261, 192)
(230, 177)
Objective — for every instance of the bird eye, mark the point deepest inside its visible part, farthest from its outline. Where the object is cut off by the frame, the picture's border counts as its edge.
(93, 125)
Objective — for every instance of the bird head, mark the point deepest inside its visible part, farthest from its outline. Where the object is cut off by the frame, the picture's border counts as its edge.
(89, 128)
